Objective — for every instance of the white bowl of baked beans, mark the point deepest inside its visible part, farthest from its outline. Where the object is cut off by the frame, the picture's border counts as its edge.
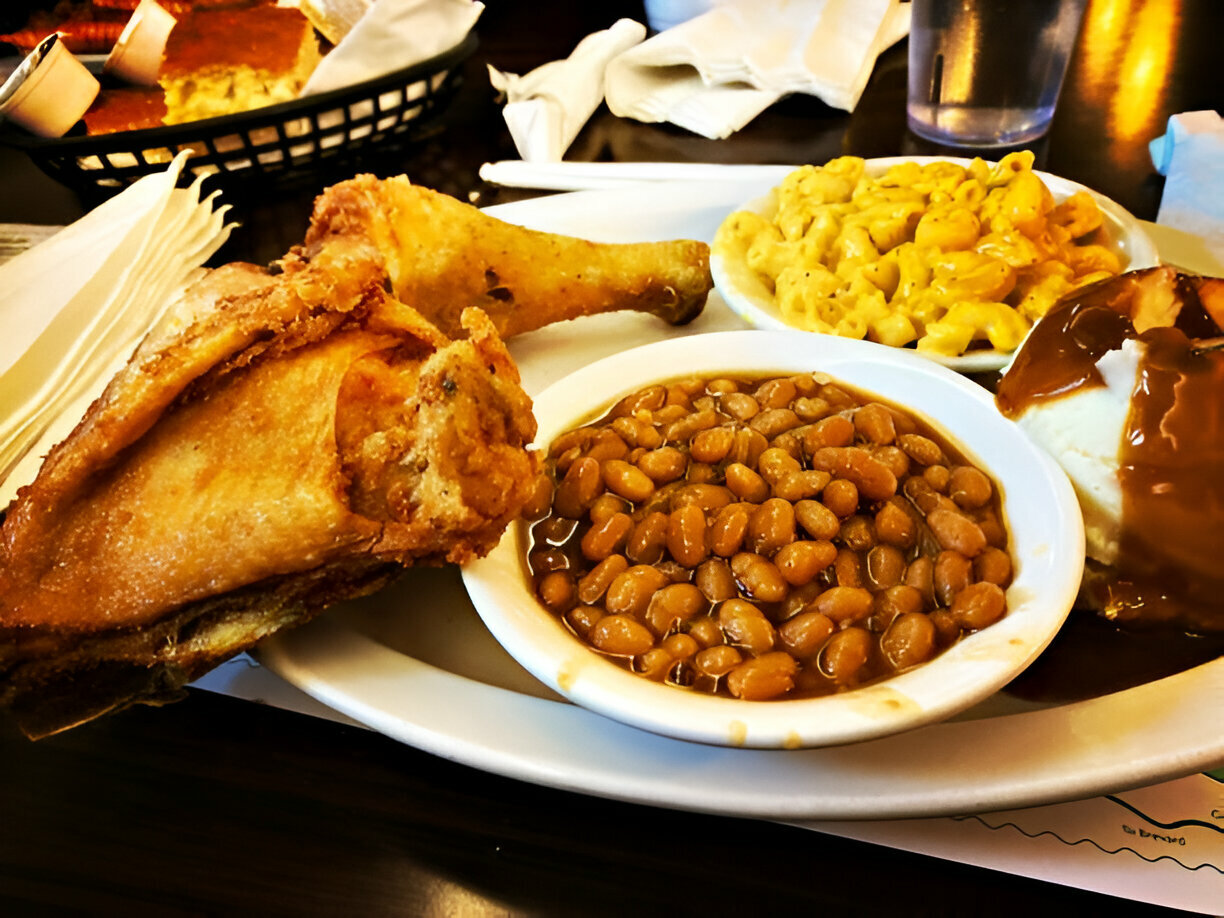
(780, 540)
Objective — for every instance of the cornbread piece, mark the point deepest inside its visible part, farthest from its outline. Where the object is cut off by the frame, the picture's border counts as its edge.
(126, 108)
(233, 59)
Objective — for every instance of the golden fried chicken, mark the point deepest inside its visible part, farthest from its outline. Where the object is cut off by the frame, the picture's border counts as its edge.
(276, 445)
(442, 256)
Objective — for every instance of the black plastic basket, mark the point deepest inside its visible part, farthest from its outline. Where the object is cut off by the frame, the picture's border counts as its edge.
(274, 143)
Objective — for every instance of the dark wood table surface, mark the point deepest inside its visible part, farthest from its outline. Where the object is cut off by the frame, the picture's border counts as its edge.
(217, 806)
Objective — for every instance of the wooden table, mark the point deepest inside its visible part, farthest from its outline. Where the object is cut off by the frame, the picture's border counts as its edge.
(217, 806)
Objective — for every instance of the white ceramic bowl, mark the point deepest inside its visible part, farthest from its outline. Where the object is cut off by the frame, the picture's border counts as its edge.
(748, 297)
(1041, 514)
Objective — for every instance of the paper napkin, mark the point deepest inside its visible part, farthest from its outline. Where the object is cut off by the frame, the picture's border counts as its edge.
(1191, 156)
(547, 107)
(76, 305)
(715, 73)
(394, 34)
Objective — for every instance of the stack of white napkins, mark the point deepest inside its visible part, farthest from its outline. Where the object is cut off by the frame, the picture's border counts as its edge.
(1191, 157)
(74, 307)
(394, 34)
(711, 74)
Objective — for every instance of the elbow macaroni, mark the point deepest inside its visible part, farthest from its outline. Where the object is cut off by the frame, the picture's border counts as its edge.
(939, 254)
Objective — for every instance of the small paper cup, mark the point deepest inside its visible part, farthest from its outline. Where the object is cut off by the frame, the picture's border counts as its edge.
(137, 54)
(55, 94)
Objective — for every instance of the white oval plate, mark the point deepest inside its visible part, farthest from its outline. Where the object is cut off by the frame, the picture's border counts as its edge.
(751, 299)
(416, 663)
(1039, 506)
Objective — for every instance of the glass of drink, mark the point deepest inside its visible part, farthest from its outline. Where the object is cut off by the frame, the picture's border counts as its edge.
(987, 73)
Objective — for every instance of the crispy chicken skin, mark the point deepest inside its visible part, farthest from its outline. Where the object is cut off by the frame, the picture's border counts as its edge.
(442, 256)
(275, 445)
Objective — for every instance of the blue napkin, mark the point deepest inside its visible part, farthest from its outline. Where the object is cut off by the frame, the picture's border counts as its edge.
(1191, 157)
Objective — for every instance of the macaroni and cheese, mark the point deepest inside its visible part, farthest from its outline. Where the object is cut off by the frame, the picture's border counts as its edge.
(938, 254)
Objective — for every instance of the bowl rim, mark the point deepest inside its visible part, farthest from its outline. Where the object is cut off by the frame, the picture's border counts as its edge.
(756, 307)
(1047, 549)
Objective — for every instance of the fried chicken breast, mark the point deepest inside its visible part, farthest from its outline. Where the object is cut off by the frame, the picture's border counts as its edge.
(276, 445)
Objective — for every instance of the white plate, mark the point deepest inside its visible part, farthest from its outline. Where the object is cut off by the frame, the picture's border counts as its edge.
(1041, 510)
(749, 297)
(416, 663)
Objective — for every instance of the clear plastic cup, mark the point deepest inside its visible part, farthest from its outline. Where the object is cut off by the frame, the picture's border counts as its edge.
(987, 73)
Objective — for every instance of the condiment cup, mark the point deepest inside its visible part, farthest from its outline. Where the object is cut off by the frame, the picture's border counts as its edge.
(49, 91)
(1039, 508)
(137, 54)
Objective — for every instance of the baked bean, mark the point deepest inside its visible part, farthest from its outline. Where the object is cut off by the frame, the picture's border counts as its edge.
(705, 631)
(582, 619)
(744, 625)
(663, 464)
(969, 487)
(673, 605)
(596, 581)
(835, 430)
(894, 526)
(680, 646)
(773, 421)
(699, 513)
(858, 533)
(774, 464)
(630, 592)
(937, 476)
(956, 532)
(607, 445)
(648, 539)
(843, 604)
(745, 483)
(654, 664)
(740, 406)
(761, 580)
(848, 568)
(875, 423)
(712, 445)
(717, 661)
(715, 580)
(953, 572)
(978, 605)
(776, 393)
(993, 565)
(801, 561)
(922, 450)
(771, 526)
(707, 497)
(803, 635)
(885, 567)
(909, 640)
(817, 520)
(558, 591)
(626, 480)
(801, 485)
(845, 654)
(649, 399)
(579, 488)
(763, 677)
(840, 496)
(811, 409)
(621, 635)
(729, 529)
(602, 539)
(894, 459)
(686, 535)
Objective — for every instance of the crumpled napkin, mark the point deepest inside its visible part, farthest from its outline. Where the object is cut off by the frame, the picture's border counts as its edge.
(546, 108)
(65, 330)
(394, 34)
(715, 73)
(1191, 157)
